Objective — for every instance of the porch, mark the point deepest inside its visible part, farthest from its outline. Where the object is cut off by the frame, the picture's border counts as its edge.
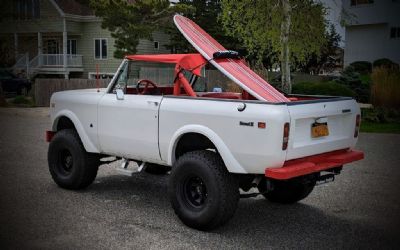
(46, 53)
(48, 64)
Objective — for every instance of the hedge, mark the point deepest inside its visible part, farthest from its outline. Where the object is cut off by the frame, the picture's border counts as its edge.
(322, 88)
(362, 66)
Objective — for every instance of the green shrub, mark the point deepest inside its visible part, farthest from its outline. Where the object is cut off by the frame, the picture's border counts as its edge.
(359, 83)
(322, 88)
(362, 67)
(22, 101)
(385, 89)
(380, 115)
(384, 62)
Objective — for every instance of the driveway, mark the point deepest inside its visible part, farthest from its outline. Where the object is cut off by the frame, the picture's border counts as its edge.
(360, 209)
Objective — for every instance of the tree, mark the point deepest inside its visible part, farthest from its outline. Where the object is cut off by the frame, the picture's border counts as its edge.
(293, 28)
(315, 62)
(129, 21)
(206, 14)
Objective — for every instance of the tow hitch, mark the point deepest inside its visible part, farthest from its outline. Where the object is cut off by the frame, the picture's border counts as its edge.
(325, 179)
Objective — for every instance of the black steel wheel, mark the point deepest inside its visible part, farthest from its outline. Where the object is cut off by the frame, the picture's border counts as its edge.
(195, 191)
(70, 166)
(203, 193)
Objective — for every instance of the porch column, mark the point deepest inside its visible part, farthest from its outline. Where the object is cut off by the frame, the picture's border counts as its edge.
(16, 45)
(66, 73)
(40, 48)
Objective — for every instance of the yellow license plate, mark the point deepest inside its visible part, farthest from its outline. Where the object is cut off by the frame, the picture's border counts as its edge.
(319, 130)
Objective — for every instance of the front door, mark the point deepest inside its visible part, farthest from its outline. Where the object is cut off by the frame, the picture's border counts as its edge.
(129, 127)
(52, 46)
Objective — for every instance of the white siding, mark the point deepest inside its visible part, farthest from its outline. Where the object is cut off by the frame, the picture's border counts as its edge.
(368, 33)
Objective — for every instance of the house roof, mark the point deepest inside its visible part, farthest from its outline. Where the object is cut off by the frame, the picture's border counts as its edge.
(74, 8)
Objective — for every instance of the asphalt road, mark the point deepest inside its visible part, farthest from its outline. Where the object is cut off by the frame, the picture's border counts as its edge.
(361, 209)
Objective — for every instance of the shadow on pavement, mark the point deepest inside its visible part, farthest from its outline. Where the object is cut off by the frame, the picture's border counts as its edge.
(257, 223)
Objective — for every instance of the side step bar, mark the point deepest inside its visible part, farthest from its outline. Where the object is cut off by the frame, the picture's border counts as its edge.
(123, 169)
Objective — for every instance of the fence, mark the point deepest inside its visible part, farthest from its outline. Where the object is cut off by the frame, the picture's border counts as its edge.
(44, 88)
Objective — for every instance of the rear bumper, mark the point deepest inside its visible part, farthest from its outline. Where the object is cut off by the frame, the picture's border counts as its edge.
(313, 164)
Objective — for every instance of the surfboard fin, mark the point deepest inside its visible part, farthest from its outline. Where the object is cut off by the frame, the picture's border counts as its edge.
(226, 54)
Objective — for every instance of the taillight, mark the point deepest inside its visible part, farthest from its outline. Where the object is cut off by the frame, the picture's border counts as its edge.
(286, 129)
(357, 127)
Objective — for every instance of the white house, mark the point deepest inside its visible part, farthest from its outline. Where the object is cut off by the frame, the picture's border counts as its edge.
(372, 30)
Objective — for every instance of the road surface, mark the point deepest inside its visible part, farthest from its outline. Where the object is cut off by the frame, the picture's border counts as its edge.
(360, 209)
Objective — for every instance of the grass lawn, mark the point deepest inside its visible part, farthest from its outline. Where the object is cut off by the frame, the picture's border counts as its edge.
(372, 127)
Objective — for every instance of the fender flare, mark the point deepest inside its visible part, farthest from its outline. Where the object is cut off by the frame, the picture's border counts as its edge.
(231, 163)
(87, 143)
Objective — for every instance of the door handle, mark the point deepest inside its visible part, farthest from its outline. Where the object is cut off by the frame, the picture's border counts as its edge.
(153, 102)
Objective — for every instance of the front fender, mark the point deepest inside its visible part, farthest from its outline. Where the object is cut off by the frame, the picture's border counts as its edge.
(87, 143)
(231, 163)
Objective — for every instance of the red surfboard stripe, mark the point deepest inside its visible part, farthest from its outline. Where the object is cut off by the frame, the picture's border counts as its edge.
(246, 76)
(213, 47)
(234, 69)
(207, 39)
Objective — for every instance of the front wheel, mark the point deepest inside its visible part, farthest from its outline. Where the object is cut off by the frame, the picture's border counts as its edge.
(203, 193)
(288, 191)
(70, 166)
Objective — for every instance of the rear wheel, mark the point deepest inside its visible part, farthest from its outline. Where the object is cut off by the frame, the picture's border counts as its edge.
(70, 166)
(203, 193)
(288, 191)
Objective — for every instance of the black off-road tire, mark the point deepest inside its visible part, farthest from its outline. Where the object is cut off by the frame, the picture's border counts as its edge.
(288, 191)
(70, 166)
(202, 174)
(156, 169)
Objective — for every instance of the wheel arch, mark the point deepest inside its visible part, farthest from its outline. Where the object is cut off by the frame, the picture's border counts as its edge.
(66, 119)
(207, 139)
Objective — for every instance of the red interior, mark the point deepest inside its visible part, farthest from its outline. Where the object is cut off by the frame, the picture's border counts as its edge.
(169, 90)
(151, 91)
(181, 86)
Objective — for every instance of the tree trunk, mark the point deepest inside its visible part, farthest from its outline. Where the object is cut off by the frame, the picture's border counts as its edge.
(285, 56)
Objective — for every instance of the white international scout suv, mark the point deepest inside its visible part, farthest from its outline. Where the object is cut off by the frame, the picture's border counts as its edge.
(213, 143)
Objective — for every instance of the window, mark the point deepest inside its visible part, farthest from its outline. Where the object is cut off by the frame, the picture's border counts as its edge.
(156, 45)
(132, 71)
(71, 47)
(360, 2)
(100, 48)
(26, 9)
(395, 32)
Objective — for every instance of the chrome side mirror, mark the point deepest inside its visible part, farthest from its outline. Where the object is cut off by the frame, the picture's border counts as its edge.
(120, 94)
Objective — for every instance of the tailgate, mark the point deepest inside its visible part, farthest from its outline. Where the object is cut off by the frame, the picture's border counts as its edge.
(338, 114)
